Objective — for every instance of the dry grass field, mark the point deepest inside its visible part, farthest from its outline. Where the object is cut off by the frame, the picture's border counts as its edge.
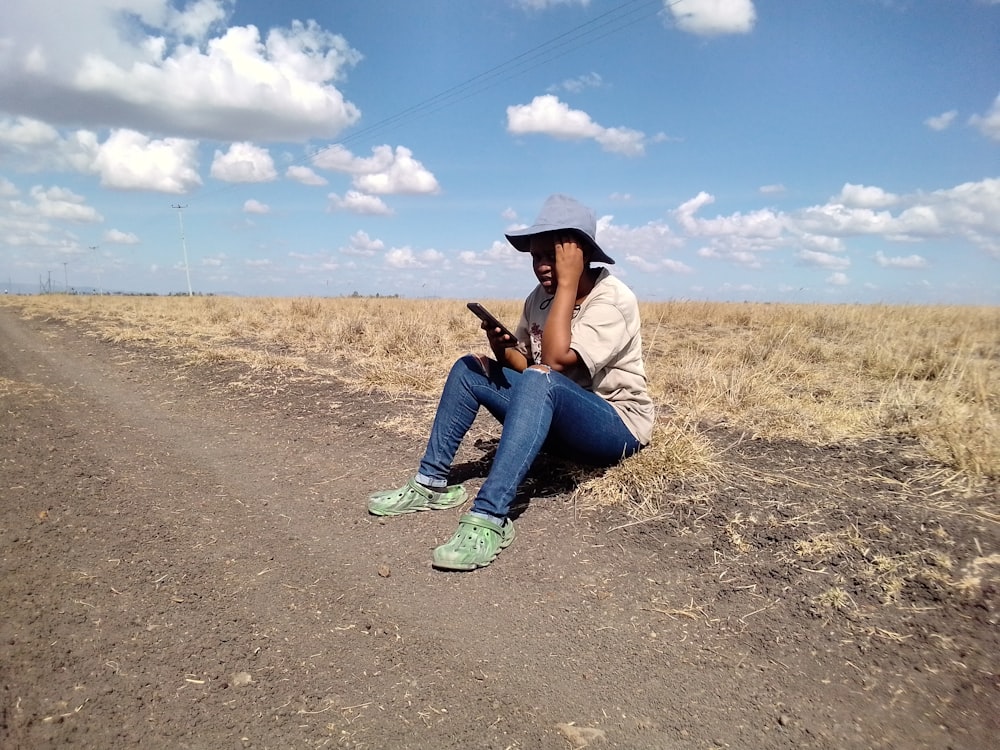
(813, 373)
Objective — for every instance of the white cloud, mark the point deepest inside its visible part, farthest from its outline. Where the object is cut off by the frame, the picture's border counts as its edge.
(712, 17)
(304, 175)
(835, 219)
(645, 244)
(970, 211)
(252, 206)
(500, 253)
(405, 257)
(385, 172)
(547, 115)
(771, 189)
(838, 279)
(42, 228)
(33, 146)
(861, 196)
(25, 132)
(909, 261)
(361, 244)
(131, 161)
(197, 19)
(118, 237)
(244, 162)
(358, 203)
(401, 257)
(664, 264)
(623, 141)
(823, 260)
(820, 235)
(314, 262)
(63, 205)
(404, 175)
(337, 158)
(762, 223)
(578, 84)
(917, 220)
(817, 242)
(144, 65)
(989, 123)
(942, 121)
(731, 254)
(664, 138)
(126, 160)
(695, 204)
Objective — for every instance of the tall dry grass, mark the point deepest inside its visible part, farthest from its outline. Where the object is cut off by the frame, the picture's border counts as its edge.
(814, 373)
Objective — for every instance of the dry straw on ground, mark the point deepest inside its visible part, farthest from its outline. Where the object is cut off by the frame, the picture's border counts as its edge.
(811, 373)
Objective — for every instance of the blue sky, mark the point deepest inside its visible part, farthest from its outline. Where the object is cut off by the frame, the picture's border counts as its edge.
(765, 150)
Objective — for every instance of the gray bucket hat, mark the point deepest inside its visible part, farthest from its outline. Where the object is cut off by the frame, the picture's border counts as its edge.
(562, 212)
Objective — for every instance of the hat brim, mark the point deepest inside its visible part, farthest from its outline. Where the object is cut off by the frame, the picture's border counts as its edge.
(521, 240)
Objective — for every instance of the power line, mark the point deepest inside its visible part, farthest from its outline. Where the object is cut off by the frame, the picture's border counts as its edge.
(606, 24)
(610, 22)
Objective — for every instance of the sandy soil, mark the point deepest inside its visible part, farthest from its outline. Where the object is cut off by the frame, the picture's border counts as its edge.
(186, 562)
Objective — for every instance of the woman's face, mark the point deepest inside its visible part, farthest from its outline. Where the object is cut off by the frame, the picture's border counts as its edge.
(543, 256)
(543, 260)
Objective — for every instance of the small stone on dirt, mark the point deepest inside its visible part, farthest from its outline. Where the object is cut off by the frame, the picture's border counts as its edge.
(241, 679)
(580, 737)
(384, 570)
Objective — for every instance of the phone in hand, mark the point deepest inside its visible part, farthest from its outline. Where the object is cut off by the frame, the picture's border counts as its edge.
(490, 319)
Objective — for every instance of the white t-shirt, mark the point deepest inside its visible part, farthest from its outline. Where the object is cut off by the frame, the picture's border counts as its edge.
(605, 334)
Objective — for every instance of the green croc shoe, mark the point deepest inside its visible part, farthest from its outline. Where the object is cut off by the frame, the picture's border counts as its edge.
(475, 544)
(412, 497)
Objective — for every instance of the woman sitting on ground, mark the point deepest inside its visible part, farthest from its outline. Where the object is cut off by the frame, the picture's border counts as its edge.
(573, 381)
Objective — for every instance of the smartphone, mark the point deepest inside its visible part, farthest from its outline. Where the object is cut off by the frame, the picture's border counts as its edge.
(490, 319)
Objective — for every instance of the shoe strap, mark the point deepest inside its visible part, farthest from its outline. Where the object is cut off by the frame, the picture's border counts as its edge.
(483, 523)
(415, 486)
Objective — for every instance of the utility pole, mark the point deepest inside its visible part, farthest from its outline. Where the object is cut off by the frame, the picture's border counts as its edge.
(180, 219)
(66, 276)
(97, 262)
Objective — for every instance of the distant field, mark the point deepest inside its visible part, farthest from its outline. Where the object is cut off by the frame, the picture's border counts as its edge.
(812, 373)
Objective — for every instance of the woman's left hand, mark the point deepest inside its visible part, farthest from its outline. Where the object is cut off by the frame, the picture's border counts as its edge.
(569, 261)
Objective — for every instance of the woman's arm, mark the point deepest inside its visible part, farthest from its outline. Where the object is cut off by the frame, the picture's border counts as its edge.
(505, 350)
(557, 336)
(514, 359)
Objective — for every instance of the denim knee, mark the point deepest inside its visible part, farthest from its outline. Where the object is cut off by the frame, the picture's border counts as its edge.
(468, 362)
(465, 367)
(537, 380)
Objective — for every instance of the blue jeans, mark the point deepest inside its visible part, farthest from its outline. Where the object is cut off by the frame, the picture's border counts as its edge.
(537, 408)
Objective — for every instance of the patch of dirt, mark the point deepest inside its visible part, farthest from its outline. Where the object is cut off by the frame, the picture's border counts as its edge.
(186, 562)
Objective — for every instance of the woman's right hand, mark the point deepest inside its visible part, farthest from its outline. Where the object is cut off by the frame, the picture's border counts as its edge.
(498, 341)
(505, 348)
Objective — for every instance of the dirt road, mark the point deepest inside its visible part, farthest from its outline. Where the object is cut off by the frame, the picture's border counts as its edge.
(186, 564)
